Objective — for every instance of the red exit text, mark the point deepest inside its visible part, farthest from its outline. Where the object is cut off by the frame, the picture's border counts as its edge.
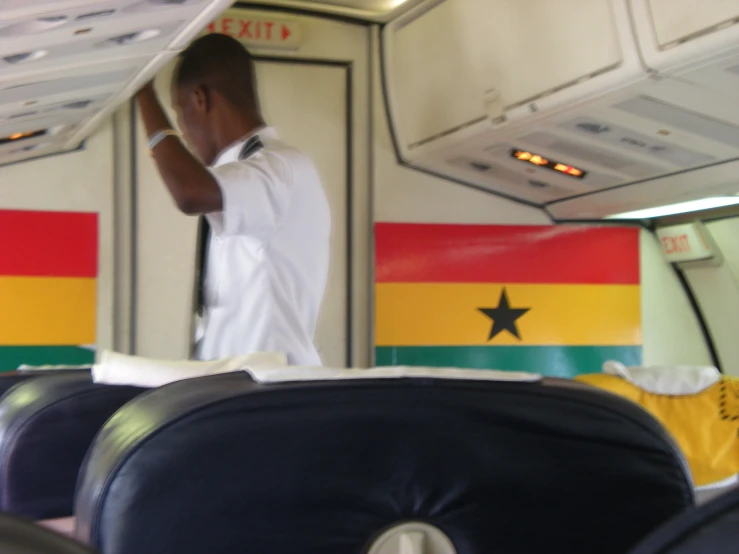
(676, 245)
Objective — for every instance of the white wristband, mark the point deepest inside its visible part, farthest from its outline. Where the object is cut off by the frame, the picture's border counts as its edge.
(159, 136)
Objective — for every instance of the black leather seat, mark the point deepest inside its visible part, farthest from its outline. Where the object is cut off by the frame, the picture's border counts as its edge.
(712, 528)
(222, 464)
(18, 536)
(46, 427)
(9, 379)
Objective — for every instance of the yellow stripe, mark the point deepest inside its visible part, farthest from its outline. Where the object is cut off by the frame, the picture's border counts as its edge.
(49, 311)
(412, 314)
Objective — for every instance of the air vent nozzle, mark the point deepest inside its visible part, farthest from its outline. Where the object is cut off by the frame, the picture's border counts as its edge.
(130, 38)
(28, 148)
(24, 57)
(150, 5)
(22, 114)
(79, 105)
(38, 25)
(95, 15)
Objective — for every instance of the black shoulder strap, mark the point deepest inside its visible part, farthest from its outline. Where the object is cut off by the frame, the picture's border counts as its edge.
(251, 146)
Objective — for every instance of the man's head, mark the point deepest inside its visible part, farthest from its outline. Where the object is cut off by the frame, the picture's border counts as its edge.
(214, 94)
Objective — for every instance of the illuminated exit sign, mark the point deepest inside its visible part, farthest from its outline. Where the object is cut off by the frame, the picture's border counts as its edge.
(258, 31)
(685, 243)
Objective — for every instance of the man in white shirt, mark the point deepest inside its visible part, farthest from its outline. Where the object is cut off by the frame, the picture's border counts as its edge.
(266, 253)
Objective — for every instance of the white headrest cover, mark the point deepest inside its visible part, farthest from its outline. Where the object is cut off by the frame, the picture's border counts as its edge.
(121, 369)
(309, 373)
(667, 380)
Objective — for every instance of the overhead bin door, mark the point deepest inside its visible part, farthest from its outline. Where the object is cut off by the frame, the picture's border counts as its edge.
(444, 62)
(679, 20)
(696, 40)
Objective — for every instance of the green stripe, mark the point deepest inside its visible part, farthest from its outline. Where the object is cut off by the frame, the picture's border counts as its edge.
(552, 361)
(13, 356)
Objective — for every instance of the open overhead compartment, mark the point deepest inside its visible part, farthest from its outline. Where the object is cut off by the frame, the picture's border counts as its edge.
(69, 64)
(716, 181)
(555, 102)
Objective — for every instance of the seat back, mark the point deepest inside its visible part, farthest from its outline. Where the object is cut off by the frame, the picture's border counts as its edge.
(9, 379)
(19, 536)
(223, 464)
(47, 425)
(711, 528)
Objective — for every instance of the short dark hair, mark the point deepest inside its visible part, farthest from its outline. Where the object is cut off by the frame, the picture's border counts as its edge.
(222, 63)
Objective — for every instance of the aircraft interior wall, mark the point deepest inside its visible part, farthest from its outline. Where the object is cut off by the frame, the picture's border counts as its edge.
(82, 181)
(161, 256)
(716, 288)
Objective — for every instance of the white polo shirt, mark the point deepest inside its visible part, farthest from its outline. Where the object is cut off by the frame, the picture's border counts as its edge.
(268, 253)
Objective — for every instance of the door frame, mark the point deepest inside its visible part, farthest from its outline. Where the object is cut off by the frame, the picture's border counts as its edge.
(349, 220)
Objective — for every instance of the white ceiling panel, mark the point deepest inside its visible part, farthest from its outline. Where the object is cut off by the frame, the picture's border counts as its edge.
(121, 45)
(65, 65)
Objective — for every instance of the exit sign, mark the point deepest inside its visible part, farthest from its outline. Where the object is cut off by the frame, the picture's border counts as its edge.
(258, 31)
(684, 243)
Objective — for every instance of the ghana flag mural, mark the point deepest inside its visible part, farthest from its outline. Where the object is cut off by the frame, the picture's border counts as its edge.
(48, 273)
(557, 300)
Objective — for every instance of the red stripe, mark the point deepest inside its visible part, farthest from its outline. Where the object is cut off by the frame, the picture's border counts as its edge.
(52, 244)
(557, 254)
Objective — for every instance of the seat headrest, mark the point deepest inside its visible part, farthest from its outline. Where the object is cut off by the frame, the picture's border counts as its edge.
(122, 369)
(328, 466)
(19, 536)
(46, 427)
(11, 378)
(292, 374)
(667, 380)
(711, 528)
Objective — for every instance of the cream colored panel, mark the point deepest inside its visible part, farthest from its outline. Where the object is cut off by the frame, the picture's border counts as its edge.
(718, 296)
(446, 59)
(80, 181)
(718, 293)
(678, 19)
(670, 329)
(307, 105)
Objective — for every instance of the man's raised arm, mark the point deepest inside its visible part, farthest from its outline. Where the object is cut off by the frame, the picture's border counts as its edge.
(192, 186)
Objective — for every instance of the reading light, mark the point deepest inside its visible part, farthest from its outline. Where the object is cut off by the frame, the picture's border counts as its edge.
(679, 208)
(21, 136)
(541, 161)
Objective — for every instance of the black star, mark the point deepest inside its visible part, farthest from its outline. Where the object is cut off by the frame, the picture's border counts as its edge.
(504, 317)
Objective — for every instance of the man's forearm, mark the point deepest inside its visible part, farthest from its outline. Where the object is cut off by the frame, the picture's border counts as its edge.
(191, 185)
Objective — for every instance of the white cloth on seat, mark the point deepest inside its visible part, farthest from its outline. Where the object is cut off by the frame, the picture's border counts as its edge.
(121, 369)
(318, 373)
(668, 380)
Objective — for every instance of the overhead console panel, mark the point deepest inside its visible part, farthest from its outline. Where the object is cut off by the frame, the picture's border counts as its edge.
(67, 64)
(566, 99)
